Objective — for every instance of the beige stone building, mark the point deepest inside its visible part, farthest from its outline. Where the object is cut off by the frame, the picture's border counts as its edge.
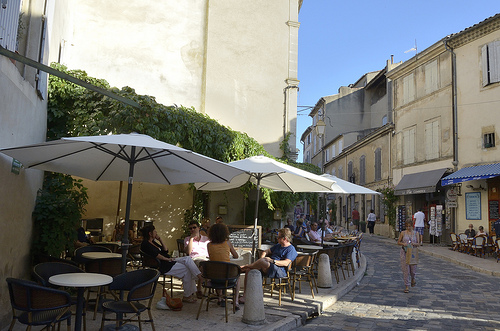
(23, 118)
(356, 142)
(423, 137)
(477, 77)
(235, 61)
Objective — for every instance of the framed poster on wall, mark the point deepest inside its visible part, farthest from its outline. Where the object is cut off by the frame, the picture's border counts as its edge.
(473, 206)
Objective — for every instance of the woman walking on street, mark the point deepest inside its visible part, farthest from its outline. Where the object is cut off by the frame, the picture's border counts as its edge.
(409, 240)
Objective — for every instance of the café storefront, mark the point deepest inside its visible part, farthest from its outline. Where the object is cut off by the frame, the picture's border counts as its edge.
(479, 196)
(423, 190)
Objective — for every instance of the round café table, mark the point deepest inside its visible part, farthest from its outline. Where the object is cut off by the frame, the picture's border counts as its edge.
(100, 255)
(330, 243)
(80, 280)
(309, 247)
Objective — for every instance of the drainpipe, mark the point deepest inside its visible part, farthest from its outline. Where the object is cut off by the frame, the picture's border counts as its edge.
(455, 115)
(454, 101)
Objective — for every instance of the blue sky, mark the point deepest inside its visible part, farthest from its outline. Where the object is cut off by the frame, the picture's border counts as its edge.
(339, 41)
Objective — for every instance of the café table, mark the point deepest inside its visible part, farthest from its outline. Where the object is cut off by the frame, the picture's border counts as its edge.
(309, 247)
(80, 280)
(100, 255)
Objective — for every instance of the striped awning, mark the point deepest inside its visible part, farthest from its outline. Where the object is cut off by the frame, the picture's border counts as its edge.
(484, 171)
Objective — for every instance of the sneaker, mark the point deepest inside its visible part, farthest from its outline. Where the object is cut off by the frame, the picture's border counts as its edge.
(162, 304)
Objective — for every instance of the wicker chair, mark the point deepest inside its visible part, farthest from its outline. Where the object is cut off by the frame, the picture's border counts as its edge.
(108, 266)
(43, 271)
(302, 271)
(219, 276)
(140, 285)
(36, 305)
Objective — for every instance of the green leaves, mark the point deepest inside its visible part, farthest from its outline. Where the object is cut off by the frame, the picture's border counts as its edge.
(58, 210)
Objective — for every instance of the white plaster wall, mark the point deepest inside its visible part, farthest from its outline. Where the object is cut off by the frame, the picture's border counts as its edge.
(22, 121)
(155, 47)
(163, 204)
(230, 60)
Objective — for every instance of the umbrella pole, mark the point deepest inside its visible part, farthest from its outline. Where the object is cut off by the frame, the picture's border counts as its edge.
(254, 235)
(127, 210)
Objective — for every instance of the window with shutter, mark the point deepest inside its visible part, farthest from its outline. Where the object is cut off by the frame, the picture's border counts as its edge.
(408, 89)
(378, 164)
(490, 58)
(431, 77)
(409, 146)
(432, 140)
(362, 170)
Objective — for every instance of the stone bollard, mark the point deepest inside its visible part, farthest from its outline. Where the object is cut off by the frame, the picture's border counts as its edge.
(324, 271)
(253, 311)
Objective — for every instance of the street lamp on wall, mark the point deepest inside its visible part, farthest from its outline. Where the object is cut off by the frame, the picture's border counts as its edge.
(320, 128)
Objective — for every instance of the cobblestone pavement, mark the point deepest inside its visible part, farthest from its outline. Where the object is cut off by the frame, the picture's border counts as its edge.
(447, 296)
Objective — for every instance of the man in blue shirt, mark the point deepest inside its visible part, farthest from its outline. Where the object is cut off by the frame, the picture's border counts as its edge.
(274, 261)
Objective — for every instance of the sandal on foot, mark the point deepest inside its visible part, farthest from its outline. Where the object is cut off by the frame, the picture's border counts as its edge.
(413, 282)
(190, 299)
(407, 290)
(199, 294)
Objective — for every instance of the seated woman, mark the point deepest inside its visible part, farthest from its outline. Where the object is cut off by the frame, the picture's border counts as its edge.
(182, 267)
(205, 225)
(219, 249)
(299, 229)
(481, 232)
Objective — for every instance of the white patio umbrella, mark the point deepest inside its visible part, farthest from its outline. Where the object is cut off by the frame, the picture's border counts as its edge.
(347, 187)
(268, 173)
(123, 157)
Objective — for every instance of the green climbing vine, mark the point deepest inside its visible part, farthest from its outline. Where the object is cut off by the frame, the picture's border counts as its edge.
(74, 111)
(390, 199)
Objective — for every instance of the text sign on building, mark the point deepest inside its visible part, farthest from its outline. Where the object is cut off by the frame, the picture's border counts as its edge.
(16, 167)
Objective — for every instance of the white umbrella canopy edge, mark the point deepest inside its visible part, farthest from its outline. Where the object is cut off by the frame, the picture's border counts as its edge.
(122, 158)
(269, 173)
(346, 187)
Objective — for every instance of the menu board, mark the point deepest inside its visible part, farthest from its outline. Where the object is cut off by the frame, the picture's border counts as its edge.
(473, 206)
(241, 235)
(493, 209)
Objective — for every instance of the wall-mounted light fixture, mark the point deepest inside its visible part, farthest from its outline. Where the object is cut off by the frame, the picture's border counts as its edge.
(480, 188)
(320, 128)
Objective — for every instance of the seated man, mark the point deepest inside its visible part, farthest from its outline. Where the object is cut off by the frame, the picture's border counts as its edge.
(274, 261)
(315, 234)
(470, 232)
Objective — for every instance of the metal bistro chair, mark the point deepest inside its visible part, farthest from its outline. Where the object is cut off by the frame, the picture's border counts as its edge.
(455, 241)
(464, 243)
(78, 258)
(302, 271)
(34, 305)
(335, 257)
(43, 271)
(140, 285)
(107, 266)
(478, 246)
(280, 283)
(219, 276)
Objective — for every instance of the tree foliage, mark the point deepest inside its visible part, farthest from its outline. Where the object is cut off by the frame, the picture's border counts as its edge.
(74, 111)
(58, 210)
(390, 199)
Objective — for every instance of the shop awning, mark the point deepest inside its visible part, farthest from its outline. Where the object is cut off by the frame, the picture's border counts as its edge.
(420, 182)
(484, 171)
